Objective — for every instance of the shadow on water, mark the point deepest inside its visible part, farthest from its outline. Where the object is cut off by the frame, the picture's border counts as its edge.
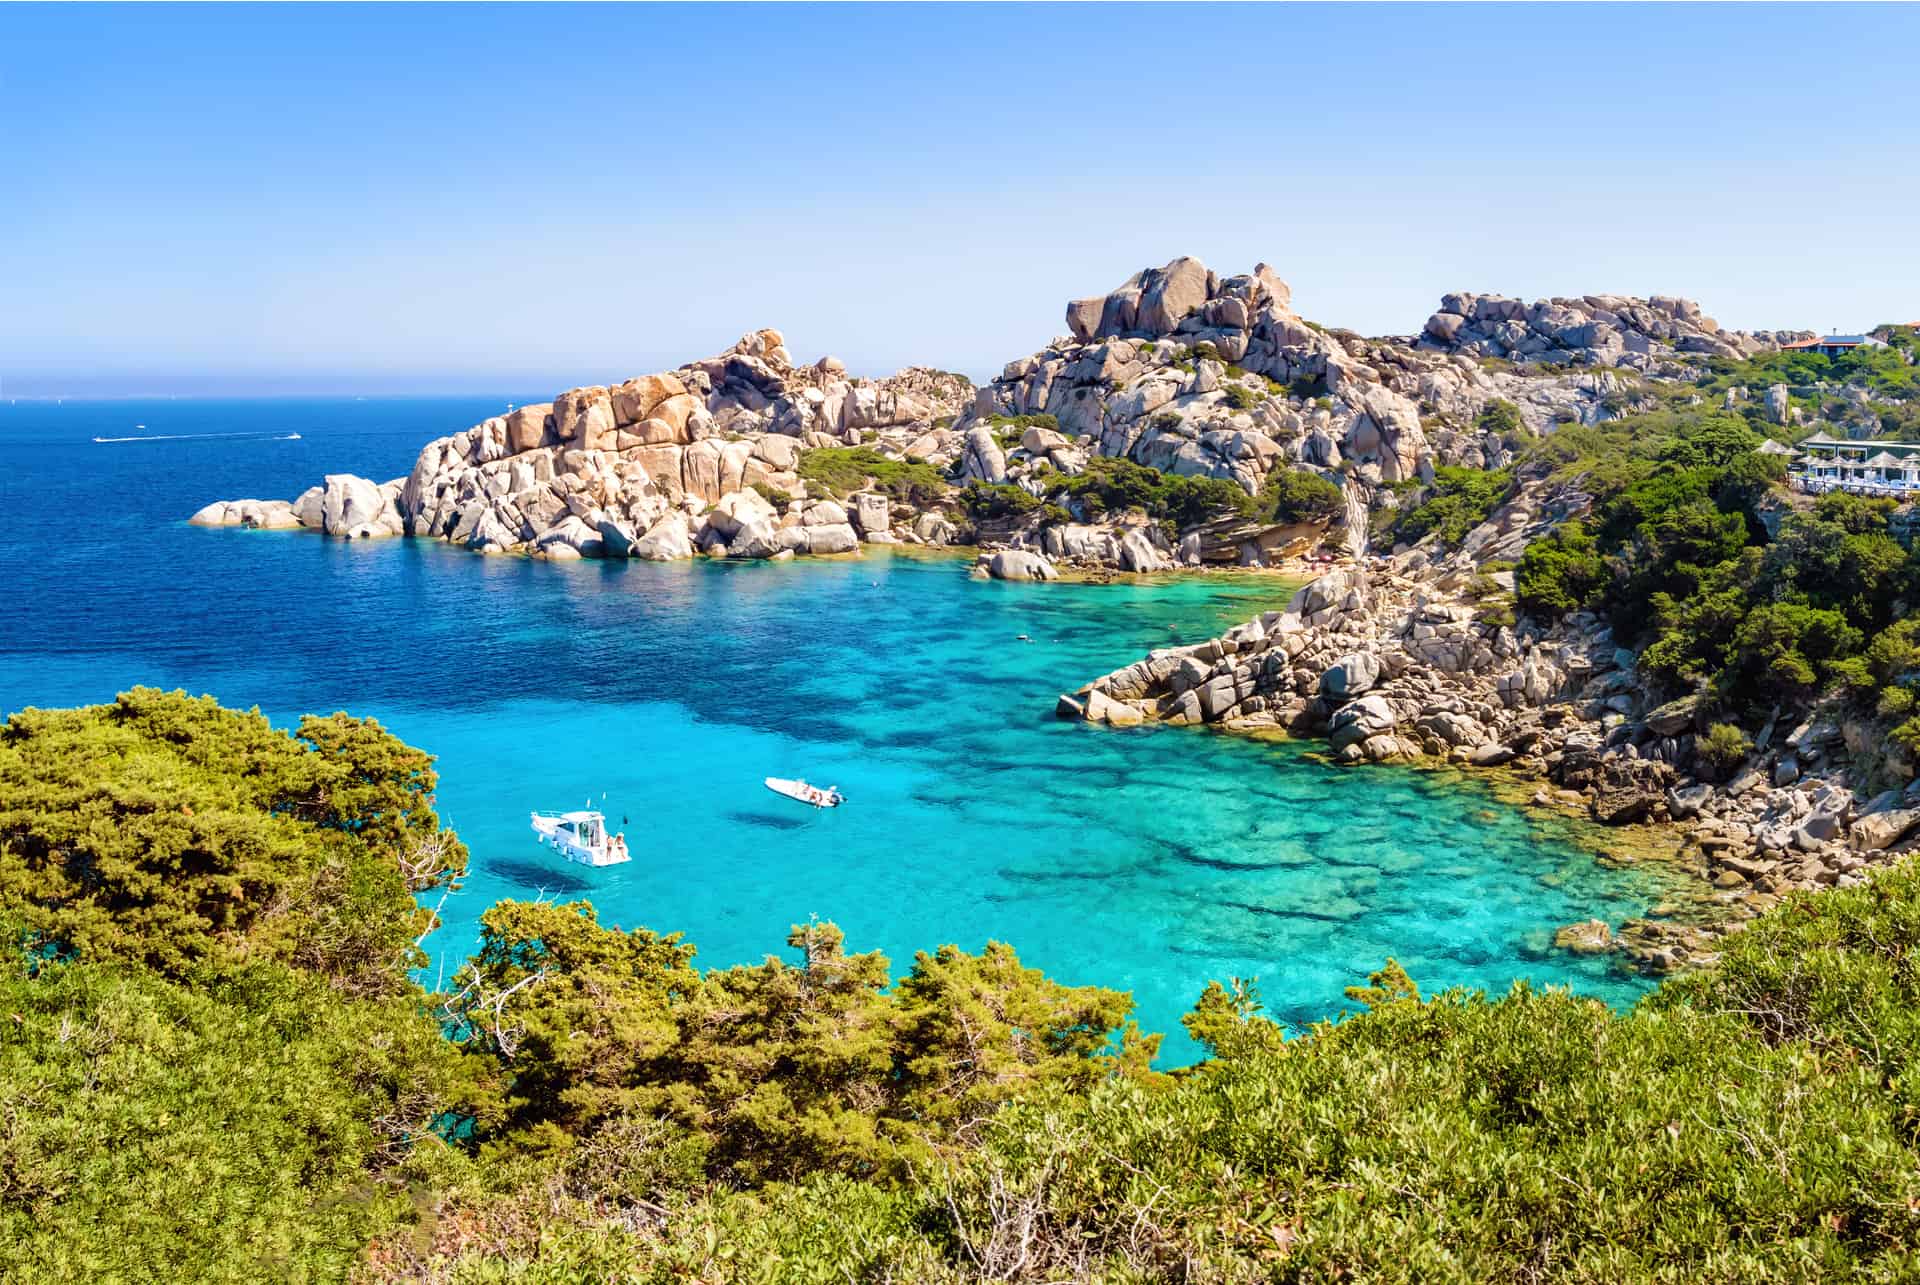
(768, 820)
(533, 874)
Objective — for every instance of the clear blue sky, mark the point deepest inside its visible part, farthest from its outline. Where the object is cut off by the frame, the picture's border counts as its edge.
(493, 196)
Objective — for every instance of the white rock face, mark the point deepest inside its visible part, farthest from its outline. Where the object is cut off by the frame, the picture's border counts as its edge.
(1593, 330)
(667, 540)
(1019, 564)
(739, 510)
(982, 459)
(582, 474)
(357, 508)
(826, 538)
(872, 514)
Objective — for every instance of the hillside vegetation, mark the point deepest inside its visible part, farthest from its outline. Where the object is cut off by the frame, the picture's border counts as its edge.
(214, 1056)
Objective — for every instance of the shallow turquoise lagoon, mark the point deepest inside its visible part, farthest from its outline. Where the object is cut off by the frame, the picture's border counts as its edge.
(1148, 860)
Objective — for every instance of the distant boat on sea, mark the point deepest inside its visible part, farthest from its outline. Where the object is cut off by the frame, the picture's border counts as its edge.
(196, 437)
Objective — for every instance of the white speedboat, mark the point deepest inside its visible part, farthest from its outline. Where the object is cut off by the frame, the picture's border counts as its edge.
(800, 790)
(581, 837)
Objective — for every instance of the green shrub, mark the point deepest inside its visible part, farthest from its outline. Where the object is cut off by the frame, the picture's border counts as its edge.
(1501, 418)
(985, 502)
(307, 848)
(1724, 746)
(1240, 397)
(1117, 485)
(843, 470)
(1299, 495)
(1561, 573)
(773, 495)
(1458, 500)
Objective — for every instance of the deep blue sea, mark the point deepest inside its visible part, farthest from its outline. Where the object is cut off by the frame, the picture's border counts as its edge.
(1148, 860)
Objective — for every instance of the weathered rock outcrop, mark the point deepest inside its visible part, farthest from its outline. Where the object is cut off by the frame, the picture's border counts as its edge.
(1593, 330)
(1183, 370)
(657, 467)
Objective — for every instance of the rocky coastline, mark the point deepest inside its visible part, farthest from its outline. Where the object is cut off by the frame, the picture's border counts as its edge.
(697, 460)
(1416, 658)
(1178, 370)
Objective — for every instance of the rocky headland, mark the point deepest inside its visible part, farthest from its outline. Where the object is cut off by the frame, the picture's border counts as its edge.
(698, 459)
(1178, 370)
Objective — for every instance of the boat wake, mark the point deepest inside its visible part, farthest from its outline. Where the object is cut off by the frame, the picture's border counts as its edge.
(195, 437)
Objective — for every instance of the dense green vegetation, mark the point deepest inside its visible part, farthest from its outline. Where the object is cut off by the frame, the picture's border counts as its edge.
(1298, 495)
(1888, 374)
(1454, 503)
(175, 834)
(989, 501)
(186, 1089)
(214, 1054)
(1118, 485)
(843, 470)
(1693, 552)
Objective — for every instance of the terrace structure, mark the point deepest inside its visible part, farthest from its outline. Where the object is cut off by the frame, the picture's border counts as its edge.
(1870, 467)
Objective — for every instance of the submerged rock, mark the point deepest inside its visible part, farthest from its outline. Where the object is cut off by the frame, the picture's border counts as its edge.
(1591, 937)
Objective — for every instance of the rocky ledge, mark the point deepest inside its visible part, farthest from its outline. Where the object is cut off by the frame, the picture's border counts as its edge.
(701, 459)
(1414, 659)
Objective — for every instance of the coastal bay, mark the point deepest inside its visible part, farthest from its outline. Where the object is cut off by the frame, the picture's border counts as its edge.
(1151, 860)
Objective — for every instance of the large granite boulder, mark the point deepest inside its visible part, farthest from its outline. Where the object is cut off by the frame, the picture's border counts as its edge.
(635, 400)
(1354, 674)
(756, 539)
(872, 514)
(1019, 564)
(739, 510)
(1357, 722)
(583, 417)
(824, 538)
(982, 459)
(1138, 553)
(1152, 302)
(356, 507)
(667, 540)
(529, 427)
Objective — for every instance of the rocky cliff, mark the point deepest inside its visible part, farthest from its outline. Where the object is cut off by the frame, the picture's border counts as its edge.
(1177, 368)
(1183, 370)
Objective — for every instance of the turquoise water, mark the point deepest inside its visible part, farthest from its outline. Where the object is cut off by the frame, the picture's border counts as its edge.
(1148, 860)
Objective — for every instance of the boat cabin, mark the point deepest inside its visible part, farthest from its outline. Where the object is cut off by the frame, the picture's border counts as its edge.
(581, 837)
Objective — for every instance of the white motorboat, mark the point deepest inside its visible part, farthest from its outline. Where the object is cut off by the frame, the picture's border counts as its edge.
(581, 837)
(804, 793)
